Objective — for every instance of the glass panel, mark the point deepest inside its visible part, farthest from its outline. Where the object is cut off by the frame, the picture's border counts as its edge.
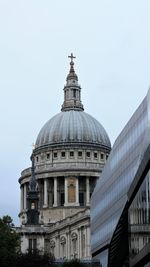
(139, 218)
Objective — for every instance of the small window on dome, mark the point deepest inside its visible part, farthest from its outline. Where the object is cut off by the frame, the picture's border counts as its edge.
(95, 155)
(37, 159)
(74, 92)
(71, 154)
(48, 156)
(102, 156)
(80, 154)
(55, 154)
(88, 154)
(106, 156)
(63, 154)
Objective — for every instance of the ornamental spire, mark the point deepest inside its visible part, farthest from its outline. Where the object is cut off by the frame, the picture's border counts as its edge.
(32, 182)
(32, 199)
(72, 90)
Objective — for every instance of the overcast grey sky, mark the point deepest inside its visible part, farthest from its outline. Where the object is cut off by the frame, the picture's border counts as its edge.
(111, 42)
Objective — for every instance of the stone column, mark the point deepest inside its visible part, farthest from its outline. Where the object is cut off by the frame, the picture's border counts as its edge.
(45, 194)
(77, 191)
(87, 192)
(21, 198)
(25, 197)
(55, 192)
(66, 192)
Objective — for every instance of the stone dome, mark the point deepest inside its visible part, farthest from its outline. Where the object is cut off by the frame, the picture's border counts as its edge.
(74, 127)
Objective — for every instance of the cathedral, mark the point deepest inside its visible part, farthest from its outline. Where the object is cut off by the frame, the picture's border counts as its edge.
(70, 152)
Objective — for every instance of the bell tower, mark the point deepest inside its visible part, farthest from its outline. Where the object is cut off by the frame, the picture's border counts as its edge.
(32, 199)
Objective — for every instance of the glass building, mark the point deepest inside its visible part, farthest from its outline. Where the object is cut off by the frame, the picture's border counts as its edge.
(120, 206)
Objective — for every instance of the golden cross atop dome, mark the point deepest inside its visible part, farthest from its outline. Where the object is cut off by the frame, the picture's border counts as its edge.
(71, 57)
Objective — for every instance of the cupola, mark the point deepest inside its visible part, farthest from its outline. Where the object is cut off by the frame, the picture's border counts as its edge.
(72, 90)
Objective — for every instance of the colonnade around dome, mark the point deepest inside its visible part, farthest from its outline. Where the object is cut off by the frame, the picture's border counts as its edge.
(60, 192)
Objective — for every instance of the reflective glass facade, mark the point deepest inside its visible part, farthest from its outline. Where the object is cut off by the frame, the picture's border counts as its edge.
(139, 219)
(110, 195)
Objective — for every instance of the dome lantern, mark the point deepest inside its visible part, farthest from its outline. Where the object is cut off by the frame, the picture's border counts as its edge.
(72, 90)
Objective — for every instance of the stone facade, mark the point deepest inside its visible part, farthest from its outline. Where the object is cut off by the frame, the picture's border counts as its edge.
(66, 239)
(69, 155)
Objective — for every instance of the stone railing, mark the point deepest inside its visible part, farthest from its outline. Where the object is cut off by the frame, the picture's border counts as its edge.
(63, 167)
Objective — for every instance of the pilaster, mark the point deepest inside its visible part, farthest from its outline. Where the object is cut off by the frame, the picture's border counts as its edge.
(68, 245)
(88, 242)
(79, 243)
(57, 247)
